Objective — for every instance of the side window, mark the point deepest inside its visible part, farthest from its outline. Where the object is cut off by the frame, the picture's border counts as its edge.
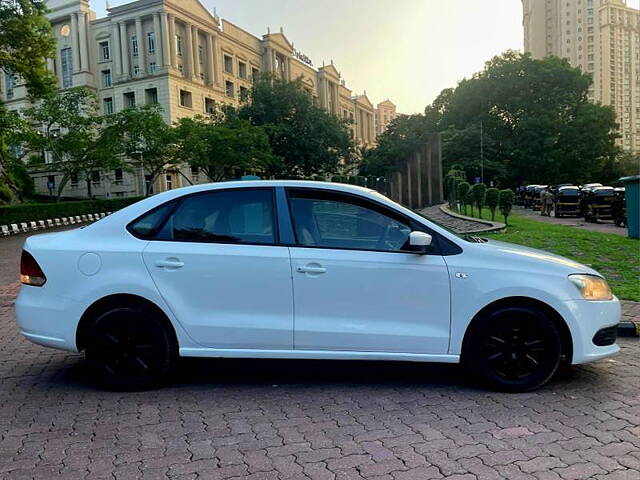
(232, 216)
(339, 221)
(146, 225)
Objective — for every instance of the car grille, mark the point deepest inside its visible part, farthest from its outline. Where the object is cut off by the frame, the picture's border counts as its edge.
(605, 336)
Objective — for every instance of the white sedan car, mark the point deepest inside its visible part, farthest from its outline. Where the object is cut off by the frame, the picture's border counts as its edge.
(293, 269)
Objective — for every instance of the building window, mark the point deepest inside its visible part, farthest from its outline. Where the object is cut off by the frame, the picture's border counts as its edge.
(229, 88)
(180, 68)
(118, 176)
(106, 78)
(151, 42)
(169, 180)
(152, 68)
(178, 44)
(129, 99)
(244, 93)
(134, 45)
(95, 178)
(151, 96)
(228, 64)
(242, 70)
(74, 180)
(209, 105)
(254, 73)
(104, 50)
(9, 81)
(195, 174)
(66, 62)
(185, 99)
(107, 105)
(200, 54)
(136, 70)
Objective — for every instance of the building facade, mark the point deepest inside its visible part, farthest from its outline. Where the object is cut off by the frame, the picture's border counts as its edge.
(385, 112)
(602, 37)
(177, 54)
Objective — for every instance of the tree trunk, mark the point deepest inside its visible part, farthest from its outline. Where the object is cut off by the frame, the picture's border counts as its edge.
(63, 182)
(89, 192)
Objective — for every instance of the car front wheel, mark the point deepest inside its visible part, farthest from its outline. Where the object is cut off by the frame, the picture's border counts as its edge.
(514, 349)
(130, 348)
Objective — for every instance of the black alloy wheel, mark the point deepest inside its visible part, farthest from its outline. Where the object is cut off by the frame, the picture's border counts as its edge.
(515, 349)
(130, 348)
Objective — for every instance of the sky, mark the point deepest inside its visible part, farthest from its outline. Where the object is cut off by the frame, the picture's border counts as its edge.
(404, 50)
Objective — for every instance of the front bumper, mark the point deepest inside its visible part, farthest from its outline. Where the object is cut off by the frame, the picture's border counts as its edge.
(586, 318)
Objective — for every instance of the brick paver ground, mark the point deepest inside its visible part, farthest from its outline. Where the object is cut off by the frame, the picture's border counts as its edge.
(258, 419)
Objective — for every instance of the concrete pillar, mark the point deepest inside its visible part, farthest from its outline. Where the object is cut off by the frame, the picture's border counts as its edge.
(209, 60)
(116, 50)
(142, 47)
(187, 50)
(157, 33)
(195, 55)
(82, 36)
(124, 48)
(173, 57)
(166, 40)
(216, 60)
(74, 42)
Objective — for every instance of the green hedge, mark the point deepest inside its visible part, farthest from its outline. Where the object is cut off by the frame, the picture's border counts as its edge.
(41, 211)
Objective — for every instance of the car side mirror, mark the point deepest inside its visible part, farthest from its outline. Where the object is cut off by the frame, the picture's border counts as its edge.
(420, 242)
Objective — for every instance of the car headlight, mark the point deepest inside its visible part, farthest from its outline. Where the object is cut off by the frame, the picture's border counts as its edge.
(592, 287)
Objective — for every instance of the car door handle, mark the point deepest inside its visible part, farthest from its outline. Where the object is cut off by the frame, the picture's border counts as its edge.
(311, 268)
(170, 263)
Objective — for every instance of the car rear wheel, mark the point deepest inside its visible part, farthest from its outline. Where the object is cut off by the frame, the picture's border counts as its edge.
(130, 348)
(514, 349)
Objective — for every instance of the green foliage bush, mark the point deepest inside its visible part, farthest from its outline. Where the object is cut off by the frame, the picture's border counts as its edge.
(491, 198)
(478, 192)
(505, 201)
(41, 211)
(462, 194)
(5, 193)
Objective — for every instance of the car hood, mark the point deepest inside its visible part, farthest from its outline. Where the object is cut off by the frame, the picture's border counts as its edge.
(536, 258)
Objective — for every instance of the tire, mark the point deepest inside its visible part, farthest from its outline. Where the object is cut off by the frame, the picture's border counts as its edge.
(130, 348)
(513, 349)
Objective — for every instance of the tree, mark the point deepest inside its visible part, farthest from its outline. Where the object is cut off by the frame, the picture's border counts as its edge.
(73, 132)
(463, 192)
(478, 192)
(492, 201)
(224, 148)
(146, 139)
(505, 200)
(309, 140)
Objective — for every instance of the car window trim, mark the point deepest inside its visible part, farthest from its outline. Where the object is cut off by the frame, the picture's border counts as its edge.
(379, 207)
(178, 201)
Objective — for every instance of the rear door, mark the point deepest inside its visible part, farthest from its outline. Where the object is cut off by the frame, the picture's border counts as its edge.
(217, 263)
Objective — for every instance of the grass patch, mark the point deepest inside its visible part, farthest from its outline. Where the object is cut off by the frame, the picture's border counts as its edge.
(614, 256)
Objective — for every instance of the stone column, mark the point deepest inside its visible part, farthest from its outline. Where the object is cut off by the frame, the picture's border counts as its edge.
(194, 54)
(116, 50)
(166, 40)
(187, 50)
(82, 35)
(124, 48)
(142, 47)
(172, 40)
(157, 34)
(216, 60)
(209, 60)
(74, 42)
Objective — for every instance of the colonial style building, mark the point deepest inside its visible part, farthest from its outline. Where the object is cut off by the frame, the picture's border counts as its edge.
(177, 54)
(385, 112)
(602, 37)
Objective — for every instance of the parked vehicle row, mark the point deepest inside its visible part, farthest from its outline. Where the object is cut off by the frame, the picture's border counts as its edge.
(593, 201)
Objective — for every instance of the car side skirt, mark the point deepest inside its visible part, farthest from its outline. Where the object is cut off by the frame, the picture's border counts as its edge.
(318, 355)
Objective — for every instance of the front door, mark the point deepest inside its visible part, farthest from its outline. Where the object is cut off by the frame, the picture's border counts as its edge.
(356, 285)
(217, 265)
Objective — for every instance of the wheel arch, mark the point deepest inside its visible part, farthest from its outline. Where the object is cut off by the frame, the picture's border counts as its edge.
(117, 300)
(560, 323)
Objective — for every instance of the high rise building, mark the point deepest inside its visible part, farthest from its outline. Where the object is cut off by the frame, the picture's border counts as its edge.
(602, 37)
(177, 54)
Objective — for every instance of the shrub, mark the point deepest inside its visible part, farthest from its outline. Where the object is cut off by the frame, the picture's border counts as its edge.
(505, 201)
(462, 193)
(41, 211)
(491, 198)
(478, 192)
(5, 193)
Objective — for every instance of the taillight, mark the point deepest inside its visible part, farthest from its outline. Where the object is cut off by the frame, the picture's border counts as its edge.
(30, 271)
